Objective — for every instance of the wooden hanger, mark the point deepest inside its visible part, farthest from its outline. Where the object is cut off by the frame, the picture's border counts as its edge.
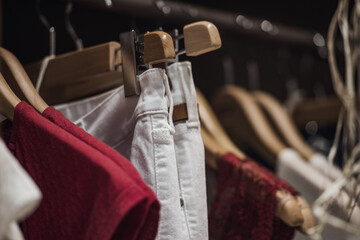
(150, 48)
(309, 219)
(238, 111)
(213, 150)
(82, 73)
(283, 123)
(91, 70)
(325, 111)
(245, 122)
(217, 143)
(201, 37)
(8, 99)
(22, 80)
(210, 122)
(158, 47)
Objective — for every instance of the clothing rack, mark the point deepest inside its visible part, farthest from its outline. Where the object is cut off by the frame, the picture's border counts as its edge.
(174, 11)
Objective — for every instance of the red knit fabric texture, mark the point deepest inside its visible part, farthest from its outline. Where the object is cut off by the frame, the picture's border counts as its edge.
(245, 203)
(86, 196)
(147, 229)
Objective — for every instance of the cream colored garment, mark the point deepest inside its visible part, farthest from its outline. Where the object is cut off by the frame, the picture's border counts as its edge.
(141, 129)
(310, 183)
(14, 232)
(19, 196)
(320, 162)
(190, 156)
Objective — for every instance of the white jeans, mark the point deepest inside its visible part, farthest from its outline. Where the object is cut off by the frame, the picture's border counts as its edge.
(189, 149)
(140, 129)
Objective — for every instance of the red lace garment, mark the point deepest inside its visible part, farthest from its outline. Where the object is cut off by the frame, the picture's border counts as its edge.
(245, 204)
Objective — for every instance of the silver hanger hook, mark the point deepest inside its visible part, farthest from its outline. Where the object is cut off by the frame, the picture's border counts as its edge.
(51, 29)
(70, 29)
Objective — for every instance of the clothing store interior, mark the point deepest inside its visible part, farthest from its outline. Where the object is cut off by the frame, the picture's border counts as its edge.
(239, 120)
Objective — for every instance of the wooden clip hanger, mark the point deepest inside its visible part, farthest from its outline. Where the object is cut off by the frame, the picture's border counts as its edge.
(92, 70)
(22, 80)
(199, 38)
(217, 143)
(155, 47)
(281, 120)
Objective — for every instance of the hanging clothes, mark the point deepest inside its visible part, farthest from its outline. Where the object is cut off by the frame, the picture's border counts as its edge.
(86, 194)
(245, 203)
(319, 161)
(18, 193)
(141, 129)
(311, 183)
(189, 149)
(148, 229)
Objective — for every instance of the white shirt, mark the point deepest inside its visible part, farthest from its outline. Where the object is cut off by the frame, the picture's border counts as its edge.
(19, 196)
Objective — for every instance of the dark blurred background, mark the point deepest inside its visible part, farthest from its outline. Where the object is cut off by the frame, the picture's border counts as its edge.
(252, 61)
(277, 46)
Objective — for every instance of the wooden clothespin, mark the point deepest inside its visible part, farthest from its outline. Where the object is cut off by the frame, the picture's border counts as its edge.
(199, 38)
(96, 69)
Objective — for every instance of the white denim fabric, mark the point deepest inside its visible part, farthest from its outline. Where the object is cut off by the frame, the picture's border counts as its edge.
(310, 183)
(19, 195)
(190, 156)
(141, 129)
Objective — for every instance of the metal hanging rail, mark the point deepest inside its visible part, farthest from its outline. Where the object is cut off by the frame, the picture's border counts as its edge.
(183, 13)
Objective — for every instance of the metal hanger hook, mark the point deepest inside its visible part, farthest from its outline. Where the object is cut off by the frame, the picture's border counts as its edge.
(70, 29)
(51, 29)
